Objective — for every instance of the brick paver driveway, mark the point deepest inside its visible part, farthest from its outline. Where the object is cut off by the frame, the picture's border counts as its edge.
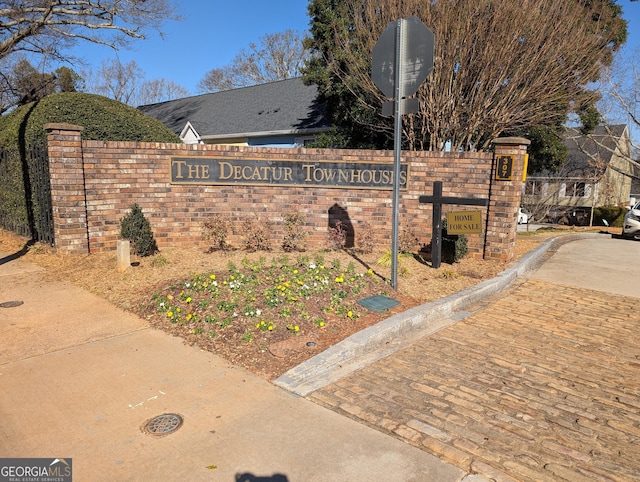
(541, 384)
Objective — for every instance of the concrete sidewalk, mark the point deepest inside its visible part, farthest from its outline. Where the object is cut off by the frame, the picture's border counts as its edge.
(79, 378)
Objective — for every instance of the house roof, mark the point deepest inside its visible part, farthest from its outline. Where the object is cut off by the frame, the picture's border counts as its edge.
(282, 107)
(586, 152)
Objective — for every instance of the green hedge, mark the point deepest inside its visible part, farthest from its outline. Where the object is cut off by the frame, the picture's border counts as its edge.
(103, 119)
(613, 215)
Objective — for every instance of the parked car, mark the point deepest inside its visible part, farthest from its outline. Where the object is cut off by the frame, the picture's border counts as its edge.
(631, 226)
(523, 218)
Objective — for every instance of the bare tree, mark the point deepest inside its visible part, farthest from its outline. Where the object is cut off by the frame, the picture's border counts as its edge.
(49, 26)
(159, 90)
(116, 80)
(499, 64)
(126, 83)
(620, 86)
(277, 56)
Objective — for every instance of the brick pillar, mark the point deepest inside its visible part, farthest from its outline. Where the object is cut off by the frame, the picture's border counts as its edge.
(68, 198)
(505, 196)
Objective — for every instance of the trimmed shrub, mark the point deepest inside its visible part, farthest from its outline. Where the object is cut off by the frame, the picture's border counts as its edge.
(294, 233)
(454, 246)
(22, 129)
(216, 229)
(613, 215)
(336, 236)
(257, 233)
(136, 228)
(103, 119)
(365, 239)
(407, 240)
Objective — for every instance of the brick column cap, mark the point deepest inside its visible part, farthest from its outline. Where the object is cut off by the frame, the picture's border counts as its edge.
(511, 141)
(62, 126)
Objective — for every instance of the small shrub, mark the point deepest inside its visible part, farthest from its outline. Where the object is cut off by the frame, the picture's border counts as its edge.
(257, 234)
(619, 221)
(136, 228)
(337, 236)
(365, 240)
(216, 229)
(613, 215)
(448, 274)
(294, 234)
(407, 240)
(386, 260)
(454, 246)
(158, 261)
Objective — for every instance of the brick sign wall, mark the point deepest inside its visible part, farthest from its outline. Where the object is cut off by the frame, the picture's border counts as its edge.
(94, 184)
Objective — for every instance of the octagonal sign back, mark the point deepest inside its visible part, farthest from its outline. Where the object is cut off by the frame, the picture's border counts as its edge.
(416, 54)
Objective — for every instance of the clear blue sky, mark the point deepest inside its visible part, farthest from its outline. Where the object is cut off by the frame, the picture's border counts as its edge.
(214, 31)
(210, 36)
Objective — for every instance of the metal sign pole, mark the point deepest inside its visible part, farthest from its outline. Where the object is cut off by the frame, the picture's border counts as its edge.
(401, 60)
(397, 148)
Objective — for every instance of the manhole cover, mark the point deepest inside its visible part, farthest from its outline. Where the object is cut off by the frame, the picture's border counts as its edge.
(11, 304)
(378, 303)
(163, 424)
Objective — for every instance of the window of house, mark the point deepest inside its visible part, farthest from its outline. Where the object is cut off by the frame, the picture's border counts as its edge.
(533, 188)
(575, 189)
(536, 188)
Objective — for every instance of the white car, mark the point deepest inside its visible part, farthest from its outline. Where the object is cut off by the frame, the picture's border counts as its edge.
(523, 218)
(631, 226)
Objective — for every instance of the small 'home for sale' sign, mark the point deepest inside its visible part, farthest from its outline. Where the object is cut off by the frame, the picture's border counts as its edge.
(464, 222)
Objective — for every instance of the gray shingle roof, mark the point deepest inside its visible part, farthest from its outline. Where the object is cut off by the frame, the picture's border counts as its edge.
(583, 150)
(278, 107)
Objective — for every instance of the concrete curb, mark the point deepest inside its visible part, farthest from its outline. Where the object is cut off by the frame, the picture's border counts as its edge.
(390, 335)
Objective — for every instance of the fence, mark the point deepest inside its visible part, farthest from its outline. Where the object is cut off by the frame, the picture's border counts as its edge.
(25, 194)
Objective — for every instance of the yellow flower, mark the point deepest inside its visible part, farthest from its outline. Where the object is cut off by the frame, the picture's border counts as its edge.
(350, 314)
(212, 276)
(188, 300)
(270, 327)
(321, 324)
(170, 314)
(295, 271)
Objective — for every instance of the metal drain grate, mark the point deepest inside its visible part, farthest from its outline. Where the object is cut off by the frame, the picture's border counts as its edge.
(163, 424)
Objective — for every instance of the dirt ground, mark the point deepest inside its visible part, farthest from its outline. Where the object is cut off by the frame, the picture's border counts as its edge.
(268, 353)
